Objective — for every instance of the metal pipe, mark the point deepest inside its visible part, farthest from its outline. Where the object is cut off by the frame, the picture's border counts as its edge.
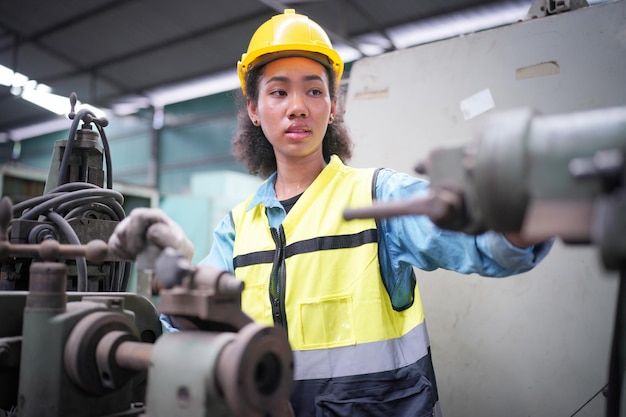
(134, 355)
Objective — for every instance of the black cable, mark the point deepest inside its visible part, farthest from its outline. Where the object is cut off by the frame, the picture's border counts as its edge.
(69, 205)
(50, 204)
(68, 201)
(107, 156)
(32, 202)
(55, 192)
(51, 199)
(99, 207)
(589, 400)
(73, 186)
(68, 145)
(70, 234)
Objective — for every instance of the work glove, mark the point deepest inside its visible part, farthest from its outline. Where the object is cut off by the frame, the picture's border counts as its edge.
(148, 230)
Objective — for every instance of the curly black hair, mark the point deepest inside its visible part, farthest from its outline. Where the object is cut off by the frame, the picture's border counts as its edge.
(251, 147)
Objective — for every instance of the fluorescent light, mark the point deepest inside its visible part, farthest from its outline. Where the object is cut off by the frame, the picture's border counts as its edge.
(31, 85)
(51, 102)
(43, 88)
(40, 94)
(372, 44)
(130, 105)
(347, 53)
(6, 76)
(370, 49)
(19, 79)
(57, 125)
(457, 24)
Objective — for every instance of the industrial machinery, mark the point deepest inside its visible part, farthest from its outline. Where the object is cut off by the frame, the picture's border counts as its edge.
(559, 175)
(73, 343)
(75, 208)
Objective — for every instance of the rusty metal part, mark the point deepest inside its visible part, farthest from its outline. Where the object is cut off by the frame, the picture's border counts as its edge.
(173, 269)
(206, 293)
(134, 355)
(95, 251)
(113, 376)
(55, 334)
(223, 282)
(255, 372)
(244, 374)
(47, 287)
(90, 351)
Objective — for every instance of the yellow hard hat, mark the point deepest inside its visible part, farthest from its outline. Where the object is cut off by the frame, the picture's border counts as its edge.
(289, 34)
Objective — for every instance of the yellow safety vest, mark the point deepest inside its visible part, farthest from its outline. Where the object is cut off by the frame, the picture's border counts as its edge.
(318, 276)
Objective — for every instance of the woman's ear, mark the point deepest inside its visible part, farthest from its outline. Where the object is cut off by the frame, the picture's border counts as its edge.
(333, 109)
(252, 111)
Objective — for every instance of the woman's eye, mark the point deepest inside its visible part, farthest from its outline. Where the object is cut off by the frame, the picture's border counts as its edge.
(316, 92)
(278, 93)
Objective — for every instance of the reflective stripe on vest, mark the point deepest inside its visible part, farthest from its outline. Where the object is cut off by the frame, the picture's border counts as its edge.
(382, 356)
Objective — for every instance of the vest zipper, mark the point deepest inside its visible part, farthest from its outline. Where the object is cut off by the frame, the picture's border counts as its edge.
(278, 279)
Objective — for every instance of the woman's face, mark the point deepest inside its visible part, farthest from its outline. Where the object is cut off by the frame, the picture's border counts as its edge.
(294, 106)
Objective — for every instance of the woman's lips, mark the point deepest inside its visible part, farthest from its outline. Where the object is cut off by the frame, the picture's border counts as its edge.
(298, 132)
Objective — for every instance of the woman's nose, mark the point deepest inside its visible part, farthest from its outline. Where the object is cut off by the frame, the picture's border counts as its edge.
(297, 106)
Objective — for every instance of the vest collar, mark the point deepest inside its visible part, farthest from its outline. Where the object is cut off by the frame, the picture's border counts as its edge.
(266, 194)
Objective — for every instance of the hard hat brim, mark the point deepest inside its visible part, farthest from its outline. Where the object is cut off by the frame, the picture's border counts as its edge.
(328, 58)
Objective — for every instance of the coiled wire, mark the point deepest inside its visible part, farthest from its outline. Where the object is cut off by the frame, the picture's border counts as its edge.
(77, 200)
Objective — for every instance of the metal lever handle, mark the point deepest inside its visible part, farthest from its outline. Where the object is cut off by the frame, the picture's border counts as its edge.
(440, 205)
(95, 251)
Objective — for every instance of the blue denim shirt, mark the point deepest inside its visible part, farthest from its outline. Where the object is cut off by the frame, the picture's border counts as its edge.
(404, 241)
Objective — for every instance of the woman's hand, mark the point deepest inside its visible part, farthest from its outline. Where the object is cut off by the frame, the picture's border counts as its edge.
(146, 228)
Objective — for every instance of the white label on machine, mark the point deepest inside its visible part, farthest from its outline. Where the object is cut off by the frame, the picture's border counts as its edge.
(477, 104)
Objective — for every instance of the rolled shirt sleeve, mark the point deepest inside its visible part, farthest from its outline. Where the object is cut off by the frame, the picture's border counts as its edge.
(221, 254)
(413, 240)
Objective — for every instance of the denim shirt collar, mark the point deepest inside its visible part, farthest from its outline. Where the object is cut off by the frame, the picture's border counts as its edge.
(266, 194)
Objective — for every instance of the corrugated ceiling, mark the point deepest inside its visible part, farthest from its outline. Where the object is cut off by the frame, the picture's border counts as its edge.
(108, 51)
